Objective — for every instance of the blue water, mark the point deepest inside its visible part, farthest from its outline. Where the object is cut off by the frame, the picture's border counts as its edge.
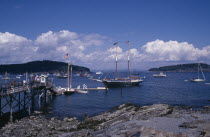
(172, 90)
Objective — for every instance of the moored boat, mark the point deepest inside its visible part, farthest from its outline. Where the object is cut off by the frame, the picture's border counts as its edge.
(99, 73)
(122, 82)
(161, 74)
(6, 76)
(63, 76)
(198, 79)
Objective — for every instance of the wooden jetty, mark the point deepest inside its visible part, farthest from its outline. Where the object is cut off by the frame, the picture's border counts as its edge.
(19, 96)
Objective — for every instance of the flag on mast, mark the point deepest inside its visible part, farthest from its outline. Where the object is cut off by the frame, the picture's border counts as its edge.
(115, 43)
(66, 56)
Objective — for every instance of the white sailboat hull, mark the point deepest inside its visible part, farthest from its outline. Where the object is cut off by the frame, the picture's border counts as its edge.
(158, 75)
(197, 80)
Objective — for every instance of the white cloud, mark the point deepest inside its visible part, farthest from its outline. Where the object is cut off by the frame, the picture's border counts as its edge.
(7, 37)
(159, 50)
(50, 45)
(53, 45)
(115, 49)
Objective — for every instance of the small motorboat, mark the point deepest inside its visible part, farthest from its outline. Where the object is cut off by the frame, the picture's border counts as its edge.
(69, 91)
(99, 73)
(101, 88)
(159, 75)
(83, 91)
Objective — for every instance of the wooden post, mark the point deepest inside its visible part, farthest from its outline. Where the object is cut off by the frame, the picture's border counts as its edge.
(29, 105)
(32, 99)
(29, 109)
(24, 99)
(40, 99)
(0, 106)
(45, 95)
(10, 103)
(19, 101)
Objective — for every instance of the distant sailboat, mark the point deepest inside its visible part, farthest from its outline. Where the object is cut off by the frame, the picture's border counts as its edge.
(122, 82)
(6, 76)
(198, 79)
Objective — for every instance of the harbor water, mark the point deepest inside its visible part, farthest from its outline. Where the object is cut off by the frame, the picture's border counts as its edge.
(175, 89)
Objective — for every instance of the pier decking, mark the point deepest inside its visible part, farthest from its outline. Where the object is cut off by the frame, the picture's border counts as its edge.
(18, 96)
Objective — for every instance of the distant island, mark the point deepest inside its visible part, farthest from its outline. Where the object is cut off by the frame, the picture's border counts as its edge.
(41, 66)
(183, 68)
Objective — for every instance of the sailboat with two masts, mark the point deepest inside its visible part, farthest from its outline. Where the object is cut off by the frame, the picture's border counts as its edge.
(69, 89)
(122, 82)
(198, 79)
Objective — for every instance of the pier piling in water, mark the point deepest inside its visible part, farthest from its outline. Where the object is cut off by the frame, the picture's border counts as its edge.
(17, 97)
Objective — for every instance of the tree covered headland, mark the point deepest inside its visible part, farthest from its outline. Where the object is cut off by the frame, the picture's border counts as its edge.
(183, 68)
(41, 66)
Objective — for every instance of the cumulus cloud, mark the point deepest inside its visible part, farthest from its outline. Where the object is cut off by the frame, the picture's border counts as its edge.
(50, 45)
(14, 48)
(159, 50)
(53, 45)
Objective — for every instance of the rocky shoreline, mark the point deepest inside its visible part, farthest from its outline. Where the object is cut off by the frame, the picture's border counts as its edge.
(122, 121)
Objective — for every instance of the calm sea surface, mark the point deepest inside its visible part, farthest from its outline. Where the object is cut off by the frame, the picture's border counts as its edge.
(172, 90)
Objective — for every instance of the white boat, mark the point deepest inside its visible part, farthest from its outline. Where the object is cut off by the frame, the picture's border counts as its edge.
(18, 77)
(159, 75)
(59, 90)
(83, 91)
(101, 88)
(99, 73)
(98, 80)
(6, 76)
(198, 79)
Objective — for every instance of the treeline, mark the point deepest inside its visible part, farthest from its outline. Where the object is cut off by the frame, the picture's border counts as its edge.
(183, 68)
(41, 66)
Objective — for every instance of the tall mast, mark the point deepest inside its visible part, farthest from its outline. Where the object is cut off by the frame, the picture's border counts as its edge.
(116, 73)
(202, 72)
(71, 77)
(198, 70)
(68, 77)
(128, 59)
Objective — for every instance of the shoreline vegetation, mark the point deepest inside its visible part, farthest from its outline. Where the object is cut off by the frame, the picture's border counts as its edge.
(41, 66)
(124, 120)
(182, 68)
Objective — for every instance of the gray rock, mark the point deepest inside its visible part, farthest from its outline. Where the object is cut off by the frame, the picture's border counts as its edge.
(126, 120)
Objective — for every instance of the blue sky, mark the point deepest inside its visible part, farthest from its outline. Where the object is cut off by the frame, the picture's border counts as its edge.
(139, 21)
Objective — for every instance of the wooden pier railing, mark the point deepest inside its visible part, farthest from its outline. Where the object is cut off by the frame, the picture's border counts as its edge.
(19, 96)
